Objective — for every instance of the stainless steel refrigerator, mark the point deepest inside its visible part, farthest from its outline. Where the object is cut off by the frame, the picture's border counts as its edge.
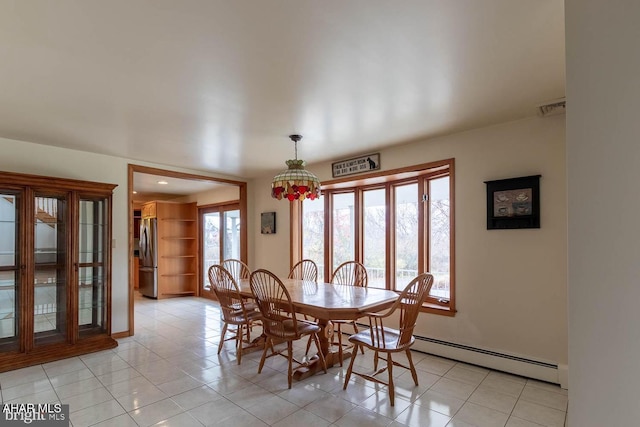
(149, 257)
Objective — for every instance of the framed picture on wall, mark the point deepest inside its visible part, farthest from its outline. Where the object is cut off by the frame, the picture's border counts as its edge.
(268, 223)
(513, 203)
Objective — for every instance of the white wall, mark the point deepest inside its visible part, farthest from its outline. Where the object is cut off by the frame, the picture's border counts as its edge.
(511, 284)
(25, 157)
(603, 163)
(217, 195)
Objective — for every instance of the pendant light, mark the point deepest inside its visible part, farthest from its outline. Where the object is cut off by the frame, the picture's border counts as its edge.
(295, 183)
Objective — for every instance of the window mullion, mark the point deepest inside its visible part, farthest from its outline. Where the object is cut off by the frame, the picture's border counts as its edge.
(328, 234)
(390, 243)
(358, 225)
(423, 229)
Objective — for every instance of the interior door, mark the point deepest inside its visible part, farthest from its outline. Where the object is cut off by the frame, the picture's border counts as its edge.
(220, 239)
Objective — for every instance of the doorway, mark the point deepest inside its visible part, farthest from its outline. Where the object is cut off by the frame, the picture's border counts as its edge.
(239, 212)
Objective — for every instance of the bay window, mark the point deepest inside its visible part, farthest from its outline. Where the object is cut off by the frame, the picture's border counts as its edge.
(398, 224)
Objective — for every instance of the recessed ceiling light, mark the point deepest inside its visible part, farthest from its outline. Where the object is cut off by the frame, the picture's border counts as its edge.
(162, 182)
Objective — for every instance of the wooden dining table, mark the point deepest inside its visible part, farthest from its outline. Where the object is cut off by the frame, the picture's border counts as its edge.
(326, 302)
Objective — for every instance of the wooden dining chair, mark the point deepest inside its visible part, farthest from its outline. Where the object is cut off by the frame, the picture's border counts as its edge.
(350, 273)
(383, 339)
(279, 321)
(234, 310)
(238, 269)
(304, 270)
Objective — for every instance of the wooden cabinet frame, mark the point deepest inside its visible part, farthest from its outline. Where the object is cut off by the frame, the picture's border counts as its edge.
(74, 341)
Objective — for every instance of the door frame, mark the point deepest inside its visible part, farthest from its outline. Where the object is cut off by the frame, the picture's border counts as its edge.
(220, 208)
(131, 168)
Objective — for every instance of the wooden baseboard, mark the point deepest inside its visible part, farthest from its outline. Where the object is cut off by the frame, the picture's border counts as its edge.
(119, 335)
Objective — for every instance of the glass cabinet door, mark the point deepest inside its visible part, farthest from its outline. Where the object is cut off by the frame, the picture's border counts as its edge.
(9, 270)
(92, 251)
(50, 269)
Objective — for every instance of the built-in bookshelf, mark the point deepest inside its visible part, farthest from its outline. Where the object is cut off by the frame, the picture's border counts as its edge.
(177, 247)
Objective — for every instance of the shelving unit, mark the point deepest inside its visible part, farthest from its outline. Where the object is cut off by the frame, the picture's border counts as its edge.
(177, 247)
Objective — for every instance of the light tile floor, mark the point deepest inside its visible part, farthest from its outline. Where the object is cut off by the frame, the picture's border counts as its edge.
(169, 374)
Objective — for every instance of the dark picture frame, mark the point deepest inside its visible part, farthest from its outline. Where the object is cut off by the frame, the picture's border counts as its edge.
(513, 203)
(268, 223)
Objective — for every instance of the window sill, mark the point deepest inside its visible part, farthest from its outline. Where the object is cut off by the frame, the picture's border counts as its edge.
(438, 309)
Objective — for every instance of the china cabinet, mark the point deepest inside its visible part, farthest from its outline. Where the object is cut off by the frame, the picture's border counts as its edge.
(55, 268)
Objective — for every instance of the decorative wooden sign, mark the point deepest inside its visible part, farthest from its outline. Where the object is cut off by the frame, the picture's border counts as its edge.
(367, 163)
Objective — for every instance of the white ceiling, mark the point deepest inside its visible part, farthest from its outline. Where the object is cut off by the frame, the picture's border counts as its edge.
(148, 187)
(218, 85)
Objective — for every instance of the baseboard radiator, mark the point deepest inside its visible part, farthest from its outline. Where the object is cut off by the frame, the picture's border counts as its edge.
(522, 366)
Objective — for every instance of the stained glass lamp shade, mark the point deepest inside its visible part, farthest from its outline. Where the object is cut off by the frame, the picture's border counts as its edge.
(295, 183)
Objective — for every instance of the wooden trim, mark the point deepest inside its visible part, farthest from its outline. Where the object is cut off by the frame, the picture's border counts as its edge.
(423, 244)
(130, 209)
(27, 299)
(244, 221)
(73, 329)
(120, 335)
(358, 226)
(220, 208)
(295, 232)
(328, 236)
(452, 224)
(213, 206)
(385, 175)
(390, 249)
(183, 175)
(54, 182)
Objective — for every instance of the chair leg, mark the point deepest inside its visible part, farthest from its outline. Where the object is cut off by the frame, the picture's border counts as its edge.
(309, 341)
(414, 374)
(316, 339)
(222, 334)
(239, 345)
(340, 344)
(349, 370)
(355, 330)
(375, 361)
(290, 357)
(267, 344)
(392, 392)
(308, 346)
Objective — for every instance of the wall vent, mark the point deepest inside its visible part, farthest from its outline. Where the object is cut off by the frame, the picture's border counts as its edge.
(552, 108)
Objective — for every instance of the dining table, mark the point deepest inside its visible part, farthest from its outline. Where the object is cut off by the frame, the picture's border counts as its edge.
(326, 302)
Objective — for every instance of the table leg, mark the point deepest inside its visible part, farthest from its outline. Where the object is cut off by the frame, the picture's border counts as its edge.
(331, 357)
